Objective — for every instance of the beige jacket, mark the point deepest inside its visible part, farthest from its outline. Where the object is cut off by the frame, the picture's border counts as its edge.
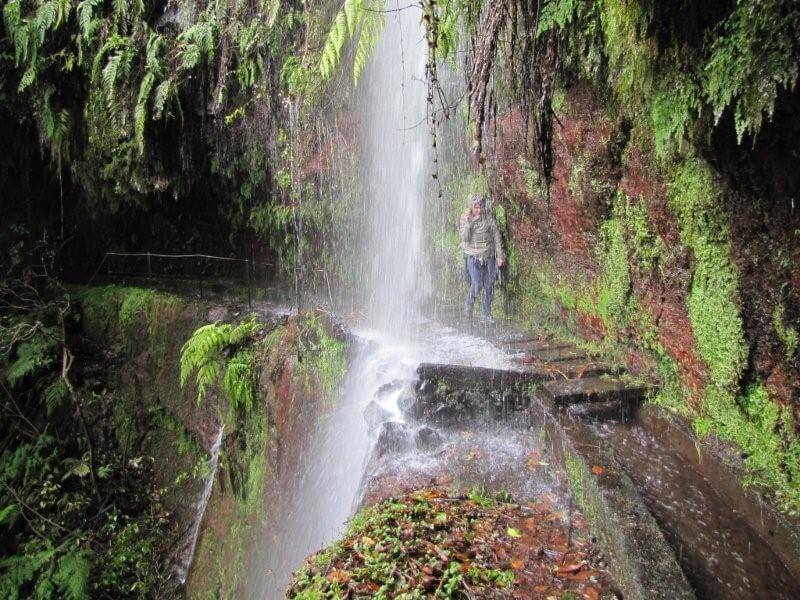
(481, 237)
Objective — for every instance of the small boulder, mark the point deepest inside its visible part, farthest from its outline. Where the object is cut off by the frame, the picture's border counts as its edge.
(375, 414)
(394, 437)
(385, 389)
(427, 438)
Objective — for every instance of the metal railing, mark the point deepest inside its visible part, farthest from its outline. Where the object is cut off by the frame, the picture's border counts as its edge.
(205, 269)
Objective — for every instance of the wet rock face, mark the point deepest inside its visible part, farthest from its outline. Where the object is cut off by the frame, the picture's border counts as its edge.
(378, 411)
(375, 414)
(394, 437)
(453, 396)
(426, 439)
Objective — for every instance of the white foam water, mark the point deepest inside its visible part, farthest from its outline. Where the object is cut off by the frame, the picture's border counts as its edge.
(187, 554)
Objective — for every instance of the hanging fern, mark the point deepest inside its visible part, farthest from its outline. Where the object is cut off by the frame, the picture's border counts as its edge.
(164, 91)
(238, 383)
(371, 29)
(214, 354)
(363, 25)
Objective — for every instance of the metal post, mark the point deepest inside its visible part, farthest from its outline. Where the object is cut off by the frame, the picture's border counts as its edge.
(247, 276)
(149, 270)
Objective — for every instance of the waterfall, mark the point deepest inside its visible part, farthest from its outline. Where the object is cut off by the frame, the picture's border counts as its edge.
(395, 152)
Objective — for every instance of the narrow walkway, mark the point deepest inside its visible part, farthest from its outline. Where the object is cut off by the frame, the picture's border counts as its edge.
(724, 553)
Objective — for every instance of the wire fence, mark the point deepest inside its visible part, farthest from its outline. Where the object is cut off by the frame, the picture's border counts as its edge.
(203, 270)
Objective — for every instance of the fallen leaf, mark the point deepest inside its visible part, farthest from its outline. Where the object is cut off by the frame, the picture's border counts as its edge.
(514, 533)
(597, 470)
(540, 589)
(517, 564)
(579, 576)
(591, 594)
(572, 568)
(339, 576)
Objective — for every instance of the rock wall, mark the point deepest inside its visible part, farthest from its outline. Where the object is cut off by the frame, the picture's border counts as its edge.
(298, 363)
(684, 268)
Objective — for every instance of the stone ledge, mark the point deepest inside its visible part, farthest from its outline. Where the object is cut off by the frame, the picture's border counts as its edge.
(592, 389)
(642, 561)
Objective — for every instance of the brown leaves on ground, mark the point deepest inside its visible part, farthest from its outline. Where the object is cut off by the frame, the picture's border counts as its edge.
(428, 544)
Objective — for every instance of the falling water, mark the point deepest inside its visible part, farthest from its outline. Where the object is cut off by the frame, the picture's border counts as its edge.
(395, 337)
(395, 168)
(324, 493)
(187, 553)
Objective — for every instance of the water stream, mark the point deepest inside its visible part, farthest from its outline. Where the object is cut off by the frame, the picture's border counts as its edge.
(326, 490)
(186, 555)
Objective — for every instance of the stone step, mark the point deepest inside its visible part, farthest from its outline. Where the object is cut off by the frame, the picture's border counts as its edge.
(593, 389)
(477, 378)
(573, 368)
(559, 354)
(610, 410)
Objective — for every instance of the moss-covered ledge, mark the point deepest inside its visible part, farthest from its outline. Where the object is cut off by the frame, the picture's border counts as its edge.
(268, 376)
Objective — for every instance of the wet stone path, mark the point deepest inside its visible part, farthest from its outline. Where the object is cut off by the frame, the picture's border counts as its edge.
(722, 553)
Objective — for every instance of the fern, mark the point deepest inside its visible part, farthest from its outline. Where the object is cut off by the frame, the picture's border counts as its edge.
(163, 92)
(9, 514)
(32, 356)
(140, 112)
(352, 12)
(72, 575)
(360, 25)
(371, 31)
(28, 77)
(54, 394)
(752, 58)
(205, 353)
(110, 75)
(45, 18)
(270, 9)
(19, 570)
(556, 14)
(238, 383)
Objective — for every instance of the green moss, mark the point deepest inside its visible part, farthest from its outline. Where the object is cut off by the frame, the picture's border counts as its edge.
(648, 248)
(325, 356)
(630, 53)
(714, 305)
(615, 280)
(787, 334)
(534, 186)
(673, 106)
(142, 318)
(765, 434)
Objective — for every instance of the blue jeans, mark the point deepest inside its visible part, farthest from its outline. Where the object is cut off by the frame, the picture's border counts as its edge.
(481, 275)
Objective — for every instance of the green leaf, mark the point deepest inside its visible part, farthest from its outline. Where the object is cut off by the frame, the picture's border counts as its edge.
(514, 533)
(72, 575)
(9, 513)
(80, 470)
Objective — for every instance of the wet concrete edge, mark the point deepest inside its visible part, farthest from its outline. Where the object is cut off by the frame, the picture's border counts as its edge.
(718, 464)
(641, 560)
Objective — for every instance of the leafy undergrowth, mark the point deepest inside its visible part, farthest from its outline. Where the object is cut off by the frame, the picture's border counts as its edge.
(431, 545)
